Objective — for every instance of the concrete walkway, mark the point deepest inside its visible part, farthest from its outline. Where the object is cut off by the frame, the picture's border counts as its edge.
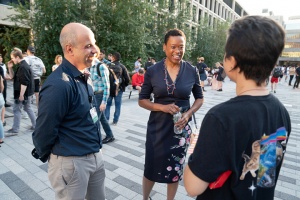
(23, 177)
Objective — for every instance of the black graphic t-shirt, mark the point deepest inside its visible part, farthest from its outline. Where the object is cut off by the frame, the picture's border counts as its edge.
(246, 135)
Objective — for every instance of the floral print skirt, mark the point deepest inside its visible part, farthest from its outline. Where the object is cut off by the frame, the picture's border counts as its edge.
(166, 154)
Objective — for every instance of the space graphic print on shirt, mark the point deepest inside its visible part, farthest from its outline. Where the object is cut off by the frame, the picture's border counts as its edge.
(267, 153)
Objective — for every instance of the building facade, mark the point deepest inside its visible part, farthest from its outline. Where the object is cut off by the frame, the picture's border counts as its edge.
(214, 10)
(291, 51)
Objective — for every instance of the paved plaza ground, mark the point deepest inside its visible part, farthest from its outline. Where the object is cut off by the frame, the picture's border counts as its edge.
(23, 177)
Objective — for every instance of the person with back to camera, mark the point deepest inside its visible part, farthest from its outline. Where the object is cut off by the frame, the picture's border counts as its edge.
(68, 131)
(243, 139)
(38, 69)
(171, 81)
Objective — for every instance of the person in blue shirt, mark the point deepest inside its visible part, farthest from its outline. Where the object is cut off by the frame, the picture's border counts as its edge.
(67, 131)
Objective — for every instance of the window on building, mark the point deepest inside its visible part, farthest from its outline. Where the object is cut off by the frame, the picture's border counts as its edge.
(199, 15)
(238, 9)
(291, 54)
(228, 2)
(215, 7)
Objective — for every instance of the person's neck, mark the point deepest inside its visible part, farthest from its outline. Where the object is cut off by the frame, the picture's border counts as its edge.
(249, 87)
(171, 65)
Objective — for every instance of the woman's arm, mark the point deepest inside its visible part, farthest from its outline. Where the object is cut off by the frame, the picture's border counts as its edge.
(188, 114)
(169, 108)
(10, 69)
(193, 185)
(1, 84)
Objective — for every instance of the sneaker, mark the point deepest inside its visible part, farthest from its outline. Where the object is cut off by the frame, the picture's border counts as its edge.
(220, 90)
(274, 91)
(107, 140)
(114, 123)
(11, 132)
(25, 116)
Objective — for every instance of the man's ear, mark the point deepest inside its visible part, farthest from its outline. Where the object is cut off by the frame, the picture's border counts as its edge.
(69, 49)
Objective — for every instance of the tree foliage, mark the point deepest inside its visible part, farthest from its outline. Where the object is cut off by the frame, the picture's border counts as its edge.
(132, 27)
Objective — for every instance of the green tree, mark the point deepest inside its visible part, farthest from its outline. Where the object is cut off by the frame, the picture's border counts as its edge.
(121, 26)
(132, 27)
(210, 42)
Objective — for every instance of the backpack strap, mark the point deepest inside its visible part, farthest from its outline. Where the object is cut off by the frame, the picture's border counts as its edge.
(115, 77)
(98, 68)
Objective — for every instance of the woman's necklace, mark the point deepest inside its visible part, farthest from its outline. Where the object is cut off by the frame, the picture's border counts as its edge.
(170, 87)
(255, 89)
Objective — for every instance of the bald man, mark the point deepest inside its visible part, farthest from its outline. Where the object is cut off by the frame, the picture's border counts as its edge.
(67, 131)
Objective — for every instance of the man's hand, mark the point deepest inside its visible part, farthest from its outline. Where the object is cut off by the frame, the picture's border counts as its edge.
(10, 64)
(21, 98)
(102, 107)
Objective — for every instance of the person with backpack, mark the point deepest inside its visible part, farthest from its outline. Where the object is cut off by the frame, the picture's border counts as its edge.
(38, 68)
(100, 77)
(116, 88)
(276, 73)
(296, 84)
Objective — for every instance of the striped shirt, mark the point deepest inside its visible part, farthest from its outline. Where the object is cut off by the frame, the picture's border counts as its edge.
(101, 83)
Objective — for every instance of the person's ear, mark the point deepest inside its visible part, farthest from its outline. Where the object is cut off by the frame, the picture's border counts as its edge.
(69, 49)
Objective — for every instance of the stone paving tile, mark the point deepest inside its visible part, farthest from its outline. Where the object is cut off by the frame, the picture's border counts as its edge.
(130, 161)
(129, 184)
(19, 187)
(47, 194)
(127, 149)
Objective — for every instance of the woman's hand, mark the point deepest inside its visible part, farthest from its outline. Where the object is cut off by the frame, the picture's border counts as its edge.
(182, 122)
(170, 108)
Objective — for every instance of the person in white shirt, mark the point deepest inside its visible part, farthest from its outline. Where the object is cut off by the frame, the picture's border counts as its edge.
(138, 64)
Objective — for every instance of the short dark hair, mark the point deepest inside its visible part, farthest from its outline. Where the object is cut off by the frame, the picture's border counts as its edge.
(174, 32)
(117, 56)
(31, 49)
(102, 51)
(256, 43)
(141, 71)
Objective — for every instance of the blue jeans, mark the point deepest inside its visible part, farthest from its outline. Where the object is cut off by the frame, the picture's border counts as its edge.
(102, 118)
(118, 102)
